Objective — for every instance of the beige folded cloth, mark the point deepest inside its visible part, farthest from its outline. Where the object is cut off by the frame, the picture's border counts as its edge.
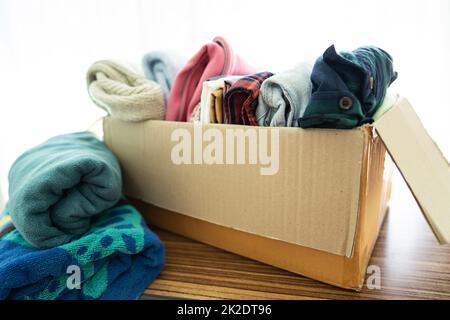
(206, 101)
(124, 94)
(216, 111)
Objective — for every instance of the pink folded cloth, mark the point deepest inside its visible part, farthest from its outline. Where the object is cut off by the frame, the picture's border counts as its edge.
(213, 59)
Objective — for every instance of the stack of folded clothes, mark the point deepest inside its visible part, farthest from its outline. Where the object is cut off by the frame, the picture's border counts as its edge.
(340, 90)
(66, 232)
(214, 59)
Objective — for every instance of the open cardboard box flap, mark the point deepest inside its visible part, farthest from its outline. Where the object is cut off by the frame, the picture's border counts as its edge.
(422, 164)
(330, 226)
(287, 223)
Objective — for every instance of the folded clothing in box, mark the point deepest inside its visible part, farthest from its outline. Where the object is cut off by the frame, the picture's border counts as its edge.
(318, 214)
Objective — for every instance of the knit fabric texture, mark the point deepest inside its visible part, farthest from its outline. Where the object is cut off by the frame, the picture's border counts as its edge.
(162, 68)
(284, 97)
(116, 259)
(241, 100)
(348, 88)
(57, 187)
(124, 94)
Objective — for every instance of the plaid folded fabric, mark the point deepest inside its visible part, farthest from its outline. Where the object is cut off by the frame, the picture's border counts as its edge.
(241, 99)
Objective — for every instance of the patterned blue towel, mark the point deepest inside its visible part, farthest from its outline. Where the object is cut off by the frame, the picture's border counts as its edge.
(116, 259)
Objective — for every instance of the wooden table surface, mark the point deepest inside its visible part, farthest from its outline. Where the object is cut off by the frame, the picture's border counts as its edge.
(413, 266)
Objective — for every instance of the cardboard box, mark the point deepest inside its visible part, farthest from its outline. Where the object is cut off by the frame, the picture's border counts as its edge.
(308, 201)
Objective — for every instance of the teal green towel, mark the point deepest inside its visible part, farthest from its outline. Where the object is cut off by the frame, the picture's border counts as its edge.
(116, 259)
(57, 187)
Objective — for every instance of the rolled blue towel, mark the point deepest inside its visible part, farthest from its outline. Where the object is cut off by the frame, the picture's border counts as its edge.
(56, 188)
(162, 68)
(116, 259)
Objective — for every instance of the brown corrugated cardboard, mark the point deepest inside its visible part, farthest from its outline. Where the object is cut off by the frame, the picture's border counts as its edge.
(421, 163)
(320, 265)
(318, 213)
(312, 200)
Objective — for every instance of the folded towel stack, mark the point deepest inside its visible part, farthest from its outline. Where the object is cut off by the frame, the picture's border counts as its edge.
(123, 93)
(115, 259)
(64, 213)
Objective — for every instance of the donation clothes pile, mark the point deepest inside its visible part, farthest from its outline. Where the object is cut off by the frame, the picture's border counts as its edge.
(66, 233)
(340, 90)
(214, 59)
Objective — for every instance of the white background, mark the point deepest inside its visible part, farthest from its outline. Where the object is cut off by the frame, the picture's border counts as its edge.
(47, 46)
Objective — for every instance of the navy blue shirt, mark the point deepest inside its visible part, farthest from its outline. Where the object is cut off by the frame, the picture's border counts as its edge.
(348, 88)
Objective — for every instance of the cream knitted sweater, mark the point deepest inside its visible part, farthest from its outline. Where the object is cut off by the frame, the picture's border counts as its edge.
(124, 94)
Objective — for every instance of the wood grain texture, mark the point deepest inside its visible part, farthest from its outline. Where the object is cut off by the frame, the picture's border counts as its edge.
(413, 266)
